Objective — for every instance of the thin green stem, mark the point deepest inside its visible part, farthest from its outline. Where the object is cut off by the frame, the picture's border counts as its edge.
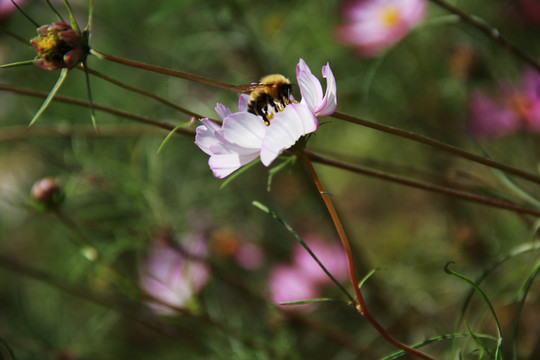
(55, 11)
(88, 27)
(4, 345)
(428, 187)
(438, 145)
(304, 245)
(360, 305)
(25, 14)
(89, 92)
(161, 70)
(142, 92)
(127, 309)
(486, 300)
(526, 287)
(15, 133)
(437, 339)
(124, 114)
(490, 32)
(72, 20)
(14, 36)
(18, 63)
(521, 249)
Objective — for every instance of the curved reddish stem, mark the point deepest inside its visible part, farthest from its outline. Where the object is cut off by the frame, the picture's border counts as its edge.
(360, 303)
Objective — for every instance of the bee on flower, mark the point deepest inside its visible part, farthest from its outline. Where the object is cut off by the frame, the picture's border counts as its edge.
(265, 130)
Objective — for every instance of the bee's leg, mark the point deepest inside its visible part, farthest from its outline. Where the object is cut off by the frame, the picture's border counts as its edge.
(266, 121)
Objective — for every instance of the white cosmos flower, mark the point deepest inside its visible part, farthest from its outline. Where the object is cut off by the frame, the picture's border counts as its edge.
(243, 136)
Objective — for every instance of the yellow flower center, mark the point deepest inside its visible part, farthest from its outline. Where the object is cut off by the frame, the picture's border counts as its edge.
(390, 15)
(48, 43)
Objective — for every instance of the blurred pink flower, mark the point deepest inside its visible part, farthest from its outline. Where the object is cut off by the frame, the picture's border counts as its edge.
(249, 256)
(513, 108)
(171, 276)
(243, 136)
(530, 10)
(331, 255)
(373, 25)
(7, 7)
(289, 283)
(303, 279)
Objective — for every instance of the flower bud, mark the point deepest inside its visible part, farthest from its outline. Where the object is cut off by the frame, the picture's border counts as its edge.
(59, 46)
(47, 193)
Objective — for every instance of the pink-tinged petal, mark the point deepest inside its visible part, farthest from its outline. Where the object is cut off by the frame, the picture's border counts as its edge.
(223, 165)
(412, 11)
(243, 101)
(222, 111)
(309, 85)
(295, 121)
(329, 102)
(244, 129)
(205, 136)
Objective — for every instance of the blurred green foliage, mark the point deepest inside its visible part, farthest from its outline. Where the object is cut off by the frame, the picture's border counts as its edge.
(121, 195)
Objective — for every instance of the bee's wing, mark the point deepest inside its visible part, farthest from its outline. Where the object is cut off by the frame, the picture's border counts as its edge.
(246, 89)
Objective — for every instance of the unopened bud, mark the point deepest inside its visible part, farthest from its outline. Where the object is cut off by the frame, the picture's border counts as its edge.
(47, 193)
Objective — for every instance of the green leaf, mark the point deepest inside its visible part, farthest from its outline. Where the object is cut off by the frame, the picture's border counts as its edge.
(18, 63)
(487, 301)
(170, 134)
(72, 20)
(436, 339)
(59, 82)
(90, 101)
(524, 291)
(238, 173)
(312, 301)
(365, 278)
(274, 170)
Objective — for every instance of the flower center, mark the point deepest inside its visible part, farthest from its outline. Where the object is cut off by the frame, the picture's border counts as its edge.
(390, 15)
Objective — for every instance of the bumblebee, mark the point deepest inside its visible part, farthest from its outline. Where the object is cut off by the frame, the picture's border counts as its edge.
(273, 92)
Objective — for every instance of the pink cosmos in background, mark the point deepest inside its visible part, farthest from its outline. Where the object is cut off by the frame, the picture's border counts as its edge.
(172, 277)
(512, 108)
(243, 136)
(249, 256)
(303, 279)
(530, 10)
(7, 7)
(373, 25)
